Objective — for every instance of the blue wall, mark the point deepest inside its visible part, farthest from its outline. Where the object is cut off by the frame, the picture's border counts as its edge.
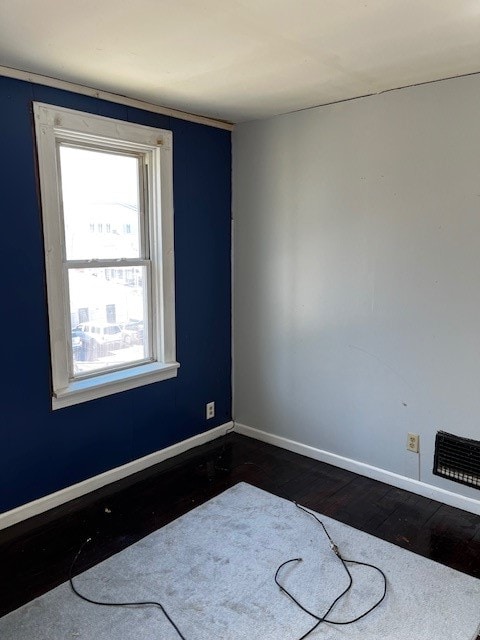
(43, 450)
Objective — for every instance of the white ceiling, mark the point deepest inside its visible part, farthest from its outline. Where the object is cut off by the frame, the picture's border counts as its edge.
(239, 60)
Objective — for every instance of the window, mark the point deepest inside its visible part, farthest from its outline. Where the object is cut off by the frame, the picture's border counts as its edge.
(100, 174)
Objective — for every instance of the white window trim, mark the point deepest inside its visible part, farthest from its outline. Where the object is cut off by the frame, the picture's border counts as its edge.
(53, 123)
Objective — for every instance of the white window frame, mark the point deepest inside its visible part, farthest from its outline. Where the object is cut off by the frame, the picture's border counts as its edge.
(54, 124)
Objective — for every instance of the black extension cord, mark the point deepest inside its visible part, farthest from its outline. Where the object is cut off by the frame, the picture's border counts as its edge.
(344, 561)
(118, 604)
(319, 619)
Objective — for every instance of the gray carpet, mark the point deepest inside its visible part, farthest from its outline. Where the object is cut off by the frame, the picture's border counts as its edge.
(213, 569)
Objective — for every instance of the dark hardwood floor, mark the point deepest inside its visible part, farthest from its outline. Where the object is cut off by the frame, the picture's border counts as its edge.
(36, 555)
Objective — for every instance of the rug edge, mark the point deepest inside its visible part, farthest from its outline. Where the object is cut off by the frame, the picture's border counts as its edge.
(367, 533)
(477, 633)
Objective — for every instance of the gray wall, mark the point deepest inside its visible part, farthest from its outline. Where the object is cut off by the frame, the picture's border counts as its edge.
(357, 275)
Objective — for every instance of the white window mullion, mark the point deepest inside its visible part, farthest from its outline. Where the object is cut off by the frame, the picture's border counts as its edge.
(107, 264)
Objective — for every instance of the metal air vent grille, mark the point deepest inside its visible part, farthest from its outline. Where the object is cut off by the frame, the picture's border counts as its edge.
(457, 459)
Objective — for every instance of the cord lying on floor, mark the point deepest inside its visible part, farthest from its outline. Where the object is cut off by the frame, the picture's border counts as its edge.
(344, 562)
(319, 619)
(118, 604)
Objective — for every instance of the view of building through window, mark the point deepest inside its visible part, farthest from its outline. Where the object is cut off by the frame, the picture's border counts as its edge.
(103, 210)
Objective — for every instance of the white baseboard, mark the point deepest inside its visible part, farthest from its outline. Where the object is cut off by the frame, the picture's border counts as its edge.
(402, 482)
(91, 484)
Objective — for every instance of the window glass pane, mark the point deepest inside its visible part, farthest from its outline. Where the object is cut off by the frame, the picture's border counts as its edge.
(101, 204)
(107, 318)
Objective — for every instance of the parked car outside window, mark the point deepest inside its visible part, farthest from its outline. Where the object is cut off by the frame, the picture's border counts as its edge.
(84, 346)
(103, 334)
(132, 332)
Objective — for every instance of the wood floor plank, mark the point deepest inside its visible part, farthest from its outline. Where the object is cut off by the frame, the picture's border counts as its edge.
(36, 555)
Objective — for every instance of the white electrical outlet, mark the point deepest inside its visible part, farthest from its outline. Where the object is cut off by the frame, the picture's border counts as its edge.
(413, 442)
(210, 410)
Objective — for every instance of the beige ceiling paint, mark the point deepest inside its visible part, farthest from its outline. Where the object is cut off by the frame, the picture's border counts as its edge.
(239, 60)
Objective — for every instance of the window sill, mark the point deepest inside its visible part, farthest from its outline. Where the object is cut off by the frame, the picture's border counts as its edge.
(110, 383)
